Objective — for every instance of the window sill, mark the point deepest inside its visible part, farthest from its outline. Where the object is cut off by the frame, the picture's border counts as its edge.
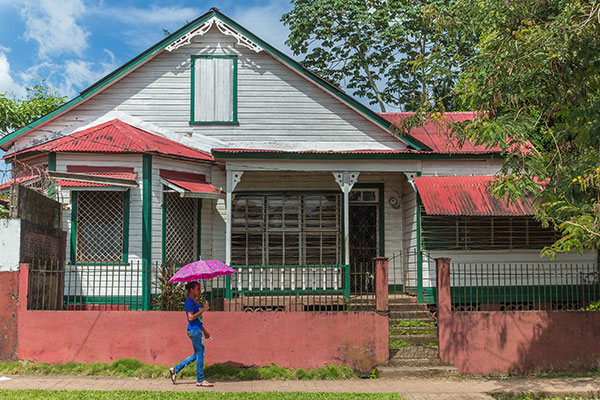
(214, 122)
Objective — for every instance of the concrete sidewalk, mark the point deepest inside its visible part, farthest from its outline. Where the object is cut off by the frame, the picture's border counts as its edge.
(431, 389)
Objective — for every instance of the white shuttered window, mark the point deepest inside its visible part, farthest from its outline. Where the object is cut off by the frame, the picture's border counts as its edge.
(214, 89)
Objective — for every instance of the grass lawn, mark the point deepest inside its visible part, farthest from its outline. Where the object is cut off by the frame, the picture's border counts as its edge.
(128, 367)
(143, 395)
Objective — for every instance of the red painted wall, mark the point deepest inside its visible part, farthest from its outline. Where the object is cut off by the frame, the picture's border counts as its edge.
(9, 295)
(520, 341)
(295, 339)
(496, 342)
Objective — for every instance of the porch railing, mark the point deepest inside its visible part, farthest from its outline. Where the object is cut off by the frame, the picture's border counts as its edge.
(121, 287)
(524, 286)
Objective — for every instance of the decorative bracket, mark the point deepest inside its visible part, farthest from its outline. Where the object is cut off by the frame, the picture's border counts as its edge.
(346, 180)
(205, 27)
(233, 178)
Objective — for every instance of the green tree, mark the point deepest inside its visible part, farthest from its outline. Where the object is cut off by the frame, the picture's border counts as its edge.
(536, 84)
(370, 45)
(16, 113)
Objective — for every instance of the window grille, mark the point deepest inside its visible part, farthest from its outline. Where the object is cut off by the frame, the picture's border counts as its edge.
(484, 233)
(181, 216)
(100, 226)
(282, 229)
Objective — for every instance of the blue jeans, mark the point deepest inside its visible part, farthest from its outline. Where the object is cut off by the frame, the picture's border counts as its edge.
(198, 356)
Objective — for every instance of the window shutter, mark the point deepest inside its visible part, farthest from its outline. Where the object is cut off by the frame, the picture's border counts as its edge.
(214, 79)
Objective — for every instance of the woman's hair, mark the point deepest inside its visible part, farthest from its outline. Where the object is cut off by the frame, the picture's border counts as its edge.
(190, 285)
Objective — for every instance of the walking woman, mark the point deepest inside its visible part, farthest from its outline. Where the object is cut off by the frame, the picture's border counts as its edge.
(195, 331)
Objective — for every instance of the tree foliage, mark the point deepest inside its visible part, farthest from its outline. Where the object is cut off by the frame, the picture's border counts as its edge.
(535, 81)
(16, 113)
(370, 46)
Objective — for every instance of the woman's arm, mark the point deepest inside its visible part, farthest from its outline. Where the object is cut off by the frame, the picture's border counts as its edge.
(193, 316)
(206, 334)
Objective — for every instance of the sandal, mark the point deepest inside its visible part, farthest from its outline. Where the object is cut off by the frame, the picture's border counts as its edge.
(173, 375)
(205, 384)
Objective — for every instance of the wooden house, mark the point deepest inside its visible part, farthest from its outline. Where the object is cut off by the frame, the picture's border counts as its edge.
(214, 144)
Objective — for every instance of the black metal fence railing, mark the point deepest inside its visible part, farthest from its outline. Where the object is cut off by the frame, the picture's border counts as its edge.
(524, 286)
(133, 286)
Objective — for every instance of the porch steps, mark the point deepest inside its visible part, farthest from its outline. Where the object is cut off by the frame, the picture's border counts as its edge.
(416, 371)
(413, 342)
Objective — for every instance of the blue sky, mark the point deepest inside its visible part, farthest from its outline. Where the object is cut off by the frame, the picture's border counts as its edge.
(73, 43)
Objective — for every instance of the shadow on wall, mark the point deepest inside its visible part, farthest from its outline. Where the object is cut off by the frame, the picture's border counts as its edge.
(519, 342)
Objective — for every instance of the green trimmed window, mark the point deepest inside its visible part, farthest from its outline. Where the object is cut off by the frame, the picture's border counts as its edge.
(286, 229)
(100, 225)
(214, 90)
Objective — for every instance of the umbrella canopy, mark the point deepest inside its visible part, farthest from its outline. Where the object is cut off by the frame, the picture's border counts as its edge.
(203, 269)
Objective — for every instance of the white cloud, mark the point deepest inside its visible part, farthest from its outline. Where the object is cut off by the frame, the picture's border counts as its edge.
(264, 22)
(7, 83)
(70, 77)
(53, 25)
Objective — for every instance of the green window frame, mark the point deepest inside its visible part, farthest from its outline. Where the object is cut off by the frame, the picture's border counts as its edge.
(196, 91)
(76, 229)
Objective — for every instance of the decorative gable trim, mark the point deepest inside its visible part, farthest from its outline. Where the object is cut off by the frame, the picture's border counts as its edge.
(205, 27)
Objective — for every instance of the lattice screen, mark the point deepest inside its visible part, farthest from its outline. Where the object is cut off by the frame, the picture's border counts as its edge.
(100, 226)
(180, 228)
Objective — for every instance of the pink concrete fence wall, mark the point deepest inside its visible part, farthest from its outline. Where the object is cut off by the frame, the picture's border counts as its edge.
(293, 339)
(9, 296)
(497, 342)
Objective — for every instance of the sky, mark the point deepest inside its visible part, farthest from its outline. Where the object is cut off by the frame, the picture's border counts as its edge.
(74, 43)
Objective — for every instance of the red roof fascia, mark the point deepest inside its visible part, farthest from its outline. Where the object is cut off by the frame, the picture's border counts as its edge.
(364, 151)
(116, 136)
(466, 196)
(191, 182)
(95, 170)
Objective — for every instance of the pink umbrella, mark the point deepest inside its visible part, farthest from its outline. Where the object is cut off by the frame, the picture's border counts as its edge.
(203, 269)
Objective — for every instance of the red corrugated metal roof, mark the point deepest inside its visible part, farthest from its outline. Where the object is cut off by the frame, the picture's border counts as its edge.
(188, 181)
(21, 179)
(124, 175)
(467, 196)
(116, 136)
(435, 134)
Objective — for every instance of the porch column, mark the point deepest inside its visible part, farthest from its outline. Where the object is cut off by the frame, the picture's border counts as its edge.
(346, 180)
(233, 178)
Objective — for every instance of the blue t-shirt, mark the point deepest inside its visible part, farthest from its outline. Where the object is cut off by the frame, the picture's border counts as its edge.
(192, 307)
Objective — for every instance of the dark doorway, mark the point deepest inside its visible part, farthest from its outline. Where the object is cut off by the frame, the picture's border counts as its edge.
(364, 247)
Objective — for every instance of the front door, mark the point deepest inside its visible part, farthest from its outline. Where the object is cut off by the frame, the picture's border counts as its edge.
(364, 240)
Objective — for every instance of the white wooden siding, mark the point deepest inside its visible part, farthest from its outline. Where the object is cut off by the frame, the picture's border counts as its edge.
(277, 107)
(460, 167)
(135, 194)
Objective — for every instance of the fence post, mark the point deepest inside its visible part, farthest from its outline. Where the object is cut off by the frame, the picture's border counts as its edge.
(228, 287)
(444, 307)
(381, 284)
(347, 282)
(444, 301)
